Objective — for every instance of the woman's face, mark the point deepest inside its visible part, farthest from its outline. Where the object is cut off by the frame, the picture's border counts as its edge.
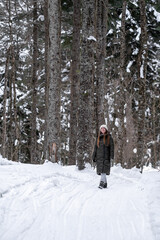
(103, 130)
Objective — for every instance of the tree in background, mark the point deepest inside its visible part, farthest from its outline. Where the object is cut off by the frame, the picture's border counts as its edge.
(142, 73)
(34, 152)
(75, 77)
(86, 91)
(121, 135)
(4, 124)
(10, 130)
(100, 72)
(54, 80)
(46, 19)
(123, 97)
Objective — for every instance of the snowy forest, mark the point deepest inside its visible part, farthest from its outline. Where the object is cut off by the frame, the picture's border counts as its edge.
(66, 67)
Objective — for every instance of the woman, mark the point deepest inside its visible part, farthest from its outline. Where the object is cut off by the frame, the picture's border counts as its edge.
(103, 154)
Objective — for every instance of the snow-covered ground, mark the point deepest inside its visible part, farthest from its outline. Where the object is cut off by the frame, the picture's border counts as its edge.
(52, 202)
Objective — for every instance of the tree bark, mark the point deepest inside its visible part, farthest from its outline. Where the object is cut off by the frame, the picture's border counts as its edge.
(34, 158)
(55, 80)
(142, 72)
(16, 127)
(87, 71)
(154, 159)
(122, 100)
(46, 17)
(75, 72)
(101, 21)
(10, 77)
(4, 124)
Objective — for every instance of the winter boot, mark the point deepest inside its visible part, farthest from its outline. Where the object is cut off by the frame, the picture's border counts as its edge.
(101, 185)
(105, 185)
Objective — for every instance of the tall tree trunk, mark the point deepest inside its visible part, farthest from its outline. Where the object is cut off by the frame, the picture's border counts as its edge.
(142, 72)
(75, 72)
(101, 20)
(34, 158)
(13, 129)
(86, 100)
(154, 158)
(17, 140)
(121, 99)
(10, 77)
(16, 127)
(55, 80)
(4, 124)
(45, 155)
(157, 130)
(10, 115)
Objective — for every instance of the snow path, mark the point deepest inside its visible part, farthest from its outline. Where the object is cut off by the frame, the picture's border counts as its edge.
(51, 202)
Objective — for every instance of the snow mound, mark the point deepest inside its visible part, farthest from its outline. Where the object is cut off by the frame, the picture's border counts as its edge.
(4, 161)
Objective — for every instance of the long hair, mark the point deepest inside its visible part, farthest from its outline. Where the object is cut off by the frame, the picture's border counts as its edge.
(104, 139)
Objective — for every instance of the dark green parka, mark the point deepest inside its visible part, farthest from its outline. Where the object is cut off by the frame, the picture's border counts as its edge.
(103, 153)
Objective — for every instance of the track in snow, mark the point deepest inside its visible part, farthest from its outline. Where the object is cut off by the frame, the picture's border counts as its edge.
(67, 204)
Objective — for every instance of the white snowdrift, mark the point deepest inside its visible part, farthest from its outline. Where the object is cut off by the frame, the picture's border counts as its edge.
(4, 161)
(52, 202)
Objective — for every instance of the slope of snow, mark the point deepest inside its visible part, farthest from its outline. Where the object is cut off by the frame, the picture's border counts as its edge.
(52, 202)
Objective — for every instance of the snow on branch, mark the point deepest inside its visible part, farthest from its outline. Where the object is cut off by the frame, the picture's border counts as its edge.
(92, 38)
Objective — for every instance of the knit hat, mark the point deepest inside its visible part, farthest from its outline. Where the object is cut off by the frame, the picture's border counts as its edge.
(103, 126)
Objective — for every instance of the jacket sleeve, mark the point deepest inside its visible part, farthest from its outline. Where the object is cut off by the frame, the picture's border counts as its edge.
(94, 152)
(111, 148)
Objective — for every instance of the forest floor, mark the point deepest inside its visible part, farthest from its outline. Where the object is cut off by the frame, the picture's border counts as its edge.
(53, 202)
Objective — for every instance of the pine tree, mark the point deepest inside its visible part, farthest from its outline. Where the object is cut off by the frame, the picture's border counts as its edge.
(46, 17)
(75, 72)
(100, 73)
(122, 88)
(142, 73)
(34, 158)
(86, 93)
(55, 80)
